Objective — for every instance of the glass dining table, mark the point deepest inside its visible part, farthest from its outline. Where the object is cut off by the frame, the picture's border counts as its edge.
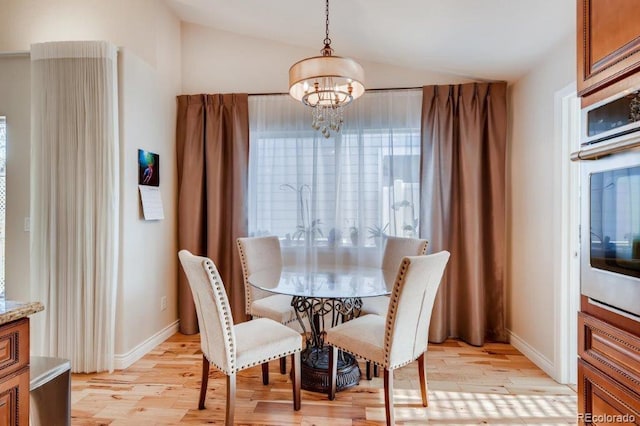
(326, 296)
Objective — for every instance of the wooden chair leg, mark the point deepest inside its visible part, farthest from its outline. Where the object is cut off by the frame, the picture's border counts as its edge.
(205, 381)
(422, 373)
(283, 365)
(376, 373)
(296, 379)
(388, 396)
(368, 370)
(265, 373)
(231, 399)
(333, 371)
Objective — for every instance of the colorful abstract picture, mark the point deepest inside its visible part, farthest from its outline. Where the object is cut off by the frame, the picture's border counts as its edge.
(148, 168)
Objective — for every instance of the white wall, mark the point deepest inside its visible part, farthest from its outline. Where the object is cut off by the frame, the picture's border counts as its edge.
(535, 205)
(148, 262)
(15, 105)
(122, 22)
(149, 37)
(215, 61)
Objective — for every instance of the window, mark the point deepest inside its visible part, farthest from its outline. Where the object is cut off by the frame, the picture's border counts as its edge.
(348, 190)
(3, 196)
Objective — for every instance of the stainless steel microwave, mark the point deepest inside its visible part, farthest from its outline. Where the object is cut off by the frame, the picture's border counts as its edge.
(617, 117)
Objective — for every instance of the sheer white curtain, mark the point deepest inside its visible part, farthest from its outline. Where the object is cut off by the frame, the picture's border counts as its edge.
(74, 201)
(333, 200)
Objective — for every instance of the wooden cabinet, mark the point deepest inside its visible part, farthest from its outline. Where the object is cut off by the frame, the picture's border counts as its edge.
(14, 399)
(14, 373)
(608, 369)
(604, 401)
(608, 54)
(608, 63)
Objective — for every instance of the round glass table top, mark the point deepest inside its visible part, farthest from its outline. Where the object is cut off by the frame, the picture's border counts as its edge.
(324, 282)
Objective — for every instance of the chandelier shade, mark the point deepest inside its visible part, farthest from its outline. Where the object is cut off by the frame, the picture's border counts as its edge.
(326, 80)
(326, 84)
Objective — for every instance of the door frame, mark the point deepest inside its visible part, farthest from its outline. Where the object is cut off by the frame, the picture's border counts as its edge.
(567, 282)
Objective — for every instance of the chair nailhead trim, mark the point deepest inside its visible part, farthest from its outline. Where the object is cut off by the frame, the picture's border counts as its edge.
(393, 305)
(424, 248)
(271, 358)
(245, 276)
(384, 365)
(228, 332)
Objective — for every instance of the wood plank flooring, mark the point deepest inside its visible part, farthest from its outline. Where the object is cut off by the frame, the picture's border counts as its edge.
(494, 385)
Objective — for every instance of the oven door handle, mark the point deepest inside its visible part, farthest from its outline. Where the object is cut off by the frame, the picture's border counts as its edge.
(596, 151)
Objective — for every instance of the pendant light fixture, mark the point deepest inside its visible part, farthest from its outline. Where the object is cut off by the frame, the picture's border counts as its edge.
(326, 83)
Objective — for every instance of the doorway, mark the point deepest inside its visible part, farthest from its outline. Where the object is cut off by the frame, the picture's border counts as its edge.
(567, 125)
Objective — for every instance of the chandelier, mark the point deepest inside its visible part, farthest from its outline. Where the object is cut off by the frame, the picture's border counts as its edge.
(326, 83)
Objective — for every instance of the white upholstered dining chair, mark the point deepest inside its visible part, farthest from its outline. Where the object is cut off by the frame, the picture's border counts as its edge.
(232, 348)
(395, 249)
(257, 254)
(401, 336)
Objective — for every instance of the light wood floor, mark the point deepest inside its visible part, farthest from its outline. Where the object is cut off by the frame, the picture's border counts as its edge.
(494, 384)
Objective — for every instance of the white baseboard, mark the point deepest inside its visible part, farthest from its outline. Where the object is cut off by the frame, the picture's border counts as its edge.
(533, 354)
(122, 361)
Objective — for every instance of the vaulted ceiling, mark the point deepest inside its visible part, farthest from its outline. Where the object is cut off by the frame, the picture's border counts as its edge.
(482, 39)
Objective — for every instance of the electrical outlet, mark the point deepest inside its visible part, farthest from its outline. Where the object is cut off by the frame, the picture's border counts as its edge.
(163, 303)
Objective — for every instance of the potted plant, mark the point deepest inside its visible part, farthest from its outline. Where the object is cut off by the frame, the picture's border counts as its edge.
(353, 234)
(310, 233)
(411, 229)
(377, 232)
(307, 228)
(334, 238)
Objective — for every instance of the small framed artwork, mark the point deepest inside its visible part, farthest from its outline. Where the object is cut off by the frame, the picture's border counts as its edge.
(148, 168)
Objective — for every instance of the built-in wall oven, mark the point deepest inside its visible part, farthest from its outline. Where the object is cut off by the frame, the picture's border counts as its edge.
(610, 231)
(610, 210)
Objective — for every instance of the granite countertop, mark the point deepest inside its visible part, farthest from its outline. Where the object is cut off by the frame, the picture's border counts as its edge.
(11, 310)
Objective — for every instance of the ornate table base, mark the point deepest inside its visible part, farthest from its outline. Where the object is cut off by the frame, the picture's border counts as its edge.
(315, 357)
(315, 370)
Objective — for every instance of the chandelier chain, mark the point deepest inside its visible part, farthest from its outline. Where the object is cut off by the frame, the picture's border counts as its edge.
(327, 40)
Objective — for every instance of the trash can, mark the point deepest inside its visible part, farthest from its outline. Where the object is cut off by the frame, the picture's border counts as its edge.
(50, 391)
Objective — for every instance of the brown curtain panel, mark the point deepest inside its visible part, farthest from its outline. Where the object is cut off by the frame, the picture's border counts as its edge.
(463, 181)
(212, 140)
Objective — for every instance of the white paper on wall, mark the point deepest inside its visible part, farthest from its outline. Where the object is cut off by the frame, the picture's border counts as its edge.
(151, 202)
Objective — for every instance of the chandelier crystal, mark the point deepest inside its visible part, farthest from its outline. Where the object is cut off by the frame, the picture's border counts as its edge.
(326, 83)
